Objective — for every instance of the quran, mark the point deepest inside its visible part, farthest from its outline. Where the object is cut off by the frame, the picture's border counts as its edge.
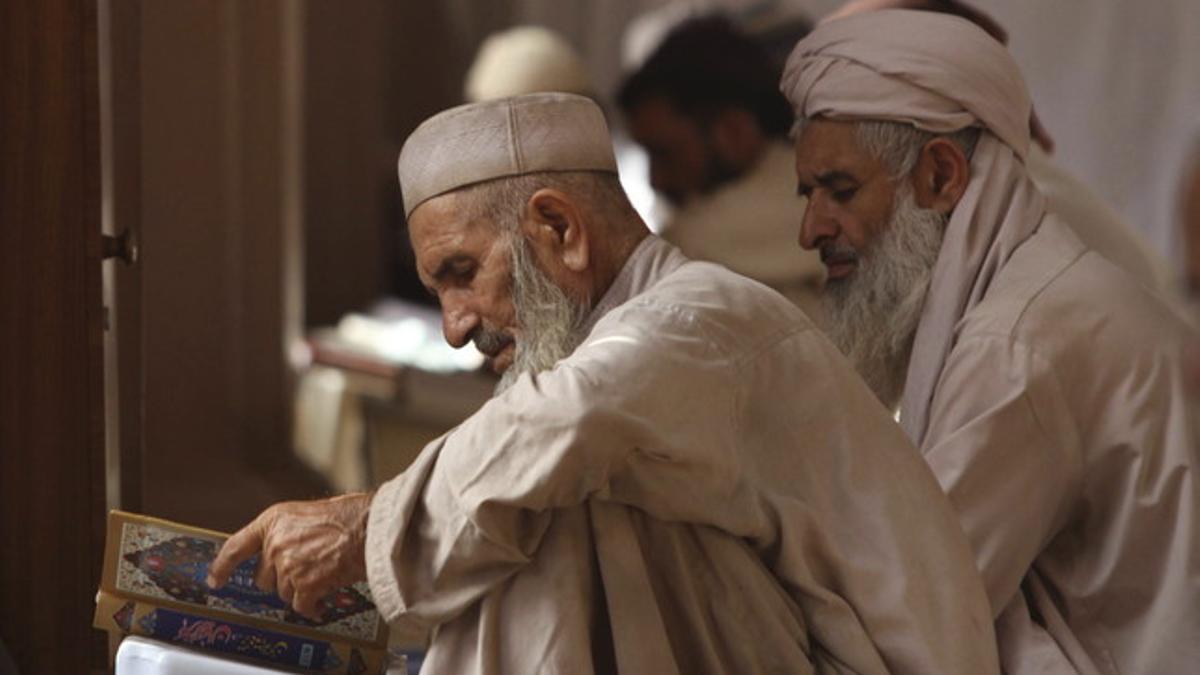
(153, 585)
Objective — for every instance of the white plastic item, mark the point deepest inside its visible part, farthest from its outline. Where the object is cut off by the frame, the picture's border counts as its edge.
(139, 656)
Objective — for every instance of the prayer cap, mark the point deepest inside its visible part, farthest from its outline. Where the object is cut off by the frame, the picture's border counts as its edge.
(938, 72)
(524, 60)
(509, 137)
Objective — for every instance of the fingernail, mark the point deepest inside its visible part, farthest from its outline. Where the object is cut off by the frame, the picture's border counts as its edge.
(211, 581)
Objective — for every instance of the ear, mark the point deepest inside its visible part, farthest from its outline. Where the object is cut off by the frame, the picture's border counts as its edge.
(941, 175)
(555, 226)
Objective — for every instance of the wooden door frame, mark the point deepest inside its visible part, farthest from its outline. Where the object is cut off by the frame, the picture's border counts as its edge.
(119, 42)
(52, 492)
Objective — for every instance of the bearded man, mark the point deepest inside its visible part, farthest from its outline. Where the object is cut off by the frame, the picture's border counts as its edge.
(642, 495)
(1042, 383)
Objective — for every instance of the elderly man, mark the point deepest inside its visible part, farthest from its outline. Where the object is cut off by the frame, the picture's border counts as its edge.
(1042, 382)
(643, 493)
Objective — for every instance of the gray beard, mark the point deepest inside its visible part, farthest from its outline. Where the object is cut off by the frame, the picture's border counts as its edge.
(872, 315)
(551, 322)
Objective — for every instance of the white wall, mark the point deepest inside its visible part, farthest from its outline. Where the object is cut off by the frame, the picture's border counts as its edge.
(1117, 83)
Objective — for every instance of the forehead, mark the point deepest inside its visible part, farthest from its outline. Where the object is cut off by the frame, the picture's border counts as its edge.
(440, 227)
(831, 145)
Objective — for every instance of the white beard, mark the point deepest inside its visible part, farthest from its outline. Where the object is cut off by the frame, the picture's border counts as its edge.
(551, 322)
(872, 315)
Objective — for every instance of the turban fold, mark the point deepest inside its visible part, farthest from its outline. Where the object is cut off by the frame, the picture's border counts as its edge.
(939, 73)
(509, 137)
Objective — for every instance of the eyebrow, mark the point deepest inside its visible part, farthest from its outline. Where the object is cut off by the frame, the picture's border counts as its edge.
(445, 269)
(828, 179)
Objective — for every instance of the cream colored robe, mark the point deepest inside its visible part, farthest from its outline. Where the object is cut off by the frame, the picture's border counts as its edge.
(1062, 432)
(1045, 385)
(702, 487)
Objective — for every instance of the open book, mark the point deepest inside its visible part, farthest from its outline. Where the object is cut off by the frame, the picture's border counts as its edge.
(153, 585)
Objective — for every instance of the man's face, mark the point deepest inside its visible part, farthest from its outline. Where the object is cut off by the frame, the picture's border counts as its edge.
(684, 161)
(493, 292)
(467, 265)
(850, 195)
(880, 247)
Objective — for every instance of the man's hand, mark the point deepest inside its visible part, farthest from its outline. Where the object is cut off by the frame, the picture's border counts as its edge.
(308, 550)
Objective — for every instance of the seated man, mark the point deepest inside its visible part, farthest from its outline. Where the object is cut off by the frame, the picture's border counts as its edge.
(1042, 382)
(679, 474)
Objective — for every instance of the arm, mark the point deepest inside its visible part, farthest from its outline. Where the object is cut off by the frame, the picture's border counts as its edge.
(474, 507)
(1003, 447)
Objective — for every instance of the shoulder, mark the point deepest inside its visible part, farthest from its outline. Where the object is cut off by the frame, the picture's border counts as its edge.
(724, 311)
(1095, 222)
(1072, 308)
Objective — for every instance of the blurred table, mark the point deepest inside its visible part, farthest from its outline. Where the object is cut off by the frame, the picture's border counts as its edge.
(377, 388)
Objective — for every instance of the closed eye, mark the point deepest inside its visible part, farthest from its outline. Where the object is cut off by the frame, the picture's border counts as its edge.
(843, 196)
(455, 270)
(841, 185)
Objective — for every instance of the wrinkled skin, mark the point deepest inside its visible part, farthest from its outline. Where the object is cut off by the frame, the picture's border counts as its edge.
(309, 549)
(850, 195)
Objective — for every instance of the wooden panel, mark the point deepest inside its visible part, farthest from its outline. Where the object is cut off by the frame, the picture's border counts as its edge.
(216, 130)
(51, 409)
(119, 24)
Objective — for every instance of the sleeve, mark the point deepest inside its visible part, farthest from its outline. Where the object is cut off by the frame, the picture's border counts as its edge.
(1003, 446)
(473, 508)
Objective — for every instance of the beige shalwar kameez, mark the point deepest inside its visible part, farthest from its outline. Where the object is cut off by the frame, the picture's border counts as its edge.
(702, 487)
(1061, 429)
(1046, 385)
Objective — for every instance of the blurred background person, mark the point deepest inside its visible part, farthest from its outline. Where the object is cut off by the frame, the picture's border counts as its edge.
(706, 107)
(1189, 201)
(1189, 214)
(525, 60)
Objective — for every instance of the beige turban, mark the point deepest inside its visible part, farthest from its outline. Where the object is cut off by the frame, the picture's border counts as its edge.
(509, 137)
(939, 73)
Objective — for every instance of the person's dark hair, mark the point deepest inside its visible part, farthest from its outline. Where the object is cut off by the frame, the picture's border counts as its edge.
(705, 65)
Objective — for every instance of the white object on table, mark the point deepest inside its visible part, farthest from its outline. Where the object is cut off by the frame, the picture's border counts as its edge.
(139, 656)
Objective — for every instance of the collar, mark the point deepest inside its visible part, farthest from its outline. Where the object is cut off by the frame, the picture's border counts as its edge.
(650, 261)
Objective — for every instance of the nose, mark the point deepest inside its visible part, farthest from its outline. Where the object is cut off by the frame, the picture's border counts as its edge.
(458, 322)
(818, 222)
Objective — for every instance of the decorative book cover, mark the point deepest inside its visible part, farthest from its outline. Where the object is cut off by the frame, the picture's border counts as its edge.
(153, 585)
